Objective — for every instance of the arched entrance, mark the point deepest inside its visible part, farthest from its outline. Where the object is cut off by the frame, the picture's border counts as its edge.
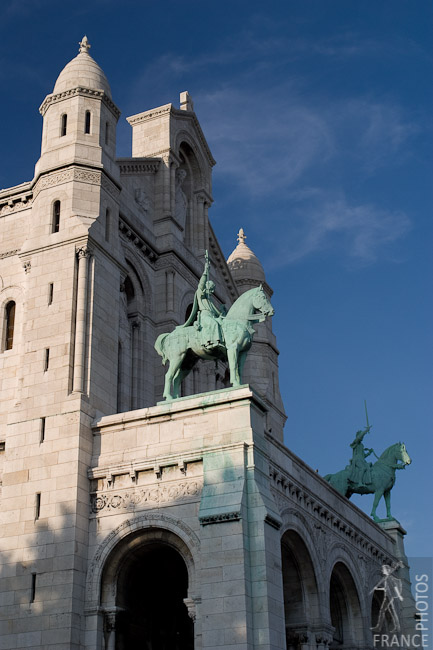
(344, 608)
(301, 605)
(144, 585)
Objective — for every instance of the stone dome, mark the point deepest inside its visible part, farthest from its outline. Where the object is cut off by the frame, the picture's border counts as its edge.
(84, 72)
(243, 263)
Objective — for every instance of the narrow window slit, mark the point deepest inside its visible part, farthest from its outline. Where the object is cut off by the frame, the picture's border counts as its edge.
(37, 505)
(50, 293)
(56, 217)
(87, 123)
(42, 430)
(64, 125)
(46, 359)
(33, 588)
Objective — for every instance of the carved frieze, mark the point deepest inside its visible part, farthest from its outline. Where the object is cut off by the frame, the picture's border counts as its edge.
(287, 491)
(147, 496)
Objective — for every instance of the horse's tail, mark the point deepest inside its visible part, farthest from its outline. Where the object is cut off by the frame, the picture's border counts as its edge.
(328, 477)
(159, 347)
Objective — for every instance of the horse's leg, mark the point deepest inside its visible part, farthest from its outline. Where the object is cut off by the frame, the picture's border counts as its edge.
(387, 497)
(241, 362)
(377, 496)
(232, 356)
(178, 379)
(169, 376)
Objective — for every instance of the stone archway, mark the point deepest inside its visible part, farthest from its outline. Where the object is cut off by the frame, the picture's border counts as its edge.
(345, 608)
(301, 600)
(145, 593)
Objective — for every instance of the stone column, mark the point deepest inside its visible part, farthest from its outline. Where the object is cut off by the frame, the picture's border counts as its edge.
(166, 198)
(110, 629)
(135, 361)
(81, 320)
(169, 290)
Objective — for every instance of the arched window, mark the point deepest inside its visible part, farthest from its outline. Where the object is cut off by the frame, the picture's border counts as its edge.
(64, 124)
(87, 123)
(10, 325)
(56, 217)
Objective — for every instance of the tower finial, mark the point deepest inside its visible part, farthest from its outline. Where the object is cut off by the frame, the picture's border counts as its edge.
(241, 236)
(84, 46)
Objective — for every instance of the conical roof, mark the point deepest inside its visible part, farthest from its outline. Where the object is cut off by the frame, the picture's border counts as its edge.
(84, 72)
(243, 263)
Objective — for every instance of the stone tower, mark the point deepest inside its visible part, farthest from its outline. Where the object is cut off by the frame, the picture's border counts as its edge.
(127, 523)
(261, 367)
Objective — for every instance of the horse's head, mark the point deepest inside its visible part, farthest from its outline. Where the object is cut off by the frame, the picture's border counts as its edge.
(261, 303)
(402, 454)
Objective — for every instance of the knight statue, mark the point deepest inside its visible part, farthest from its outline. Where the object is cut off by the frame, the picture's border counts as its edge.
(360, 473)
(205, 315)
(210, 333)
(362, 477)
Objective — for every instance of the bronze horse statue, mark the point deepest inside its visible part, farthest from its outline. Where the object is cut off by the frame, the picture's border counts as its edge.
(183, 347)
(382, 478)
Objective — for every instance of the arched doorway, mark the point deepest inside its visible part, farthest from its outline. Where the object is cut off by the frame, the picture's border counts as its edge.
(301, 605)
(144, 586)
(345, 610)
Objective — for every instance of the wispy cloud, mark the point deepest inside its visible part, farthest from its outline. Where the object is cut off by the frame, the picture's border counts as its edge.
(277, 140)
(360, 232)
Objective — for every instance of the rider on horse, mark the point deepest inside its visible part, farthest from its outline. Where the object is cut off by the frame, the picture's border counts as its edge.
(360, 473)
(205, 315)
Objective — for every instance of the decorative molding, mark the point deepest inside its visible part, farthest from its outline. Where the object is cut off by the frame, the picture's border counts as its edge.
(15, 204)
(131, 235)
(89, 92)
(148, 115)
(151, 496)
(84, 251)
(27, 265)
(191, 605)
(287, 490)
(220, 518)
(109, 186)
(273, 522)
(9, 253)
(72, 173)
(140, 166)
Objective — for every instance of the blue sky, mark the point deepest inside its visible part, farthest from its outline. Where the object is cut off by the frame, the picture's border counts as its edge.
(319, 116)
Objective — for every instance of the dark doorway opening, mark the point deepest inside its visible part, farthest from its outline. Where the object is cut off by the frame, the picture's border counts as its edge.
(151, 587)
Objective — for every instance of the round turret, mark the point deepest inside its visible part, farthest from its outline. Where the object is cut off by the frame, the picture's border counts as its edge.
(82, 72)
(243, 263)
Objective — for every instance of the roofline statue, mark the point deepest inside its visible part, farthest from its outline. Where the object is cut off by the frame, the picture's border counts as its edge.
(210, 333)
(362, 477)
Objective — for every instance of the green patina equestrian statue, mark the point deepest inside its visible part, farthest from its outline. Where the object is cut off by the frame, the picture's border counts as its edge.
(210, 333)
(362, 477)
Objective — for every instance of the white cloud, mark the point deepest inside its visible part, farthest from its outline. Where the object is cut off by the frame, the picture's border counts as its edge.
(360, 232)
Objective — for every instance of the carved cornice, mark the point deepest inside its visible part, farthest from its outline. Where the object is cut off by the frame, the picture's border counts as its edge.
(149, 115)
(87, 92)
(131, 235)
(138, 166)
(221, 518)
(288, 490)
(9, 205)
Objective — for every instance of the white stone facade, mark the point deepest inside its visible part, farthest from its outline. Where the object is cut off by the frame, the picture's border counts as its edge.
(101, 487)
